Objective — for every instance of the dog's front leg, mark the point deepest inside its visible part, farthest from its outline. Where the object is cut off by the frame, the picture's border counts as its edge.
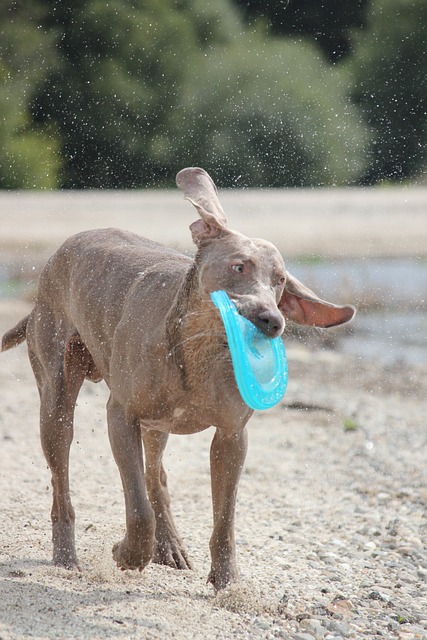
(228, 452)
(136, 549)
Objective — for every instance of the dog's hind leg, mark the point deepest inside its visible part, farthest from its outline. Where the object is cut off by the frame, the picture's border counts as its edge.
(59, 368)
(169, 546)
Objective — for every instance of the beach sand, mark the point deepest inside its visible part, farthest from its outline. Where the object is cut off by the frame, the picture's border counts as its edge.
(331, 520)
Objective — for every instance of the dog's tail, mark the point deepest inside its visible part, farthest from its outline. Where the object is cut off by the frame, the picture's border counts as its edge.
(15, 336)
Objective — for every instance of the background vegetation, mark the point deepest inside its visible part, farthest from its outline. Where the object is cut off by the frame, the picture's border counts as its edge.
(123, 93)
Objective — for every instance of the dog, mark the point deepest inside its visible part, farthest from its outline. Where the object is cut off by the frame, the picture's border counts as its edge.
(114, 306)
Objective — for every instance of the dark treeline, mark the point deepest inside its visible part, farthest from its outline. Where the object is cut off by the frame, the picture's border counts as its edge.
(122, 93)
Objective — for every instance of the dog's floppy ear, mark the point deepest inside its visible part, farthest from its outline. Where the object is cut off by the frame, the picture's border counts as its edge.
(301, 305)
(200, 190)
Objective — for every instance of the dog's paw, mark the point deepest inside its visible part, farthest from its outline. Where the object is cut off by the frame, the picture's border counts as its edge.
(171, 552)
(222, 577)
(127, 558)
(64, 550)
(66, 561)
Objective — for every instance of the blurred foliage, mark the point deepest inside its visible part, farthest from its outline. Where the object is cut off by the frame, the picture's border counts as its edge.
(390, 69)
(124, 93)
(120, 67)
(329, 23)
(247, 117)
(29, 158)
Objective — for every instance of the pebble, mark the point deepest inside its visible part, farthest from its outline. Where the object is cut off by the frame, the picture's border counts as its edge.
(339, 628)
(370, 545)
(262, 624)
(303, 636)
(422, 573)
(379, 595)
(406, 550)
(314, 627)
(417, 630)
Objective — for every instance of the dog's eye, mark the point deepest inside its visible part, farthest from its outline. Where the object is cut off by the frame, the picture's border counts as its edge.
(238, 268)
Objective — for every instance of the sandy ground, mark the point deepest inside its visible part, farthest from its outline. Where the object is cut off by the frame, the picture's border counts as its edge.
(327, 222)
(331, 520)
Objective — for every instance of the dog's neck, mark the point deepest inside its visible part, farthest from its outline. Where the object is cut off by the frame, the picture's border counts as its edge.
(195, 332)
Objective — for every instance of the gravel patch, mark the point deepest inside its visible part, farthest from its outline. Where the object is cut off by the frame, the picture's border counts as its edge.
(331, 519)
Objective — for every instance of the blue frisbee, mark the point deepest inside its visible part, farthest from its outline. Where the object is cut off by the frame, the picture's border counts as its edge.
(260, 364)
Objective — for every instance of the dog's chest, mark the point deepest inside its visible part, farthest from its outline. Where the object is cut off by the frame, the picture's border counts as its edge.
(205, 396)
(191, 415)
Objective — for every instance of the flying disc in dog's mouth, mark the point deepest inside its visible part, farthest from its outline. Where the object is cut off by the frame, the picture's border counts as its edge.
(260, 364)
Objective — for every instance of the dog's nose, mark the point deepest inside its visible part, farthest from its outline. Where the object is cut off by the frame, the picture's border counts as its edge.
(270, 322)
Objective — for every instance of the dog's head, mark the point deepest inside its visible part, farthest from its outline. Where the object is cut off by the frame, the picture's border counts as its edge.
(251, 271)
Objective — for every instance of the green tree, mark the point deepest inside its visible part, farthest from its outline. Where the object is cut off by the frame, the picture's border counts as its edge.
(131, 90)
(270, 112)
(330, 22)
(122, 64)
(29, 158)
(391, 88)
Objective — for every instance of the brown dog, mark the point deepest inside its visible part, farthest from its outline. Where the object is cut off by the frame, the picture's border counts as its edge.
(114, 306)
